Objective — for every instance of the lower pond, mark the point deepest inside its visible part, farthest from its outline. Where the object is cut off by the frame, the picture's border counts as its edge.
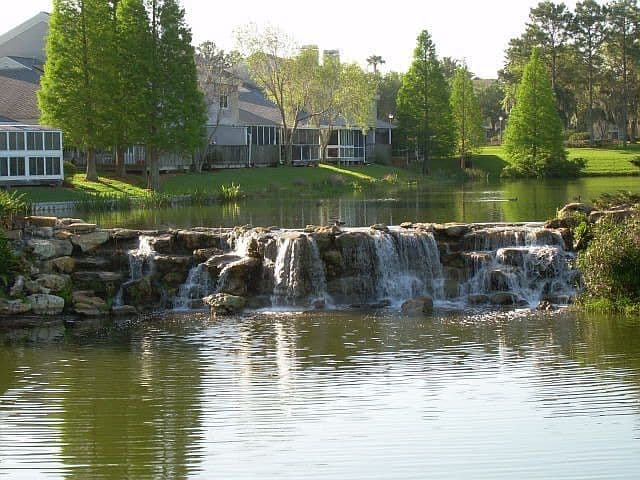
(324, 395)
(532, 200)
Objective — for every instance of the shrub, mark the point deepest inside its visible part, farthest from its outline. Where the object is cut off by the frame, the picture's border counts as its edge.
(545, 167)
(635, 161)
(69, 169)
(579, 139)
(11, 205)
(230, 192)
(611, 265)
(9, 263)
(620, 199)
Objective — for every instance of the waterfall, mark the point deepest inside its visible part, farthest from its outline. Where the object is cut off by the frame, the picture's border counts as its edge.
(198, 285)
(140, 264)
(408, 265)
(521, 266)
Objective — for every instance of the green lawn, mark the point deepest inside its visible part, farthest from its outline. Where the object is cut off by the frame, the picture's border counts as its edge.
(600, 161)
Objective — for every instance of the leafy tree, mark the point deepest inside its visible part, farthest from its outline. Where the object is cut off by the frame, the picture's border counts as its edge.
(467, 118)
(215, 82)
(490, 99)
(283, 74)
(449, 68)
(588, 30)
(533, 139)
(176, 117)
(424, 112)
(388, 88)
(76, 87)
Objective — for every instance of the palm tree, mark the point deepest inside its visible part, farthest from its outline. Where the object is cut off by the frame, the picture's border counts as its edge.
(375, 60)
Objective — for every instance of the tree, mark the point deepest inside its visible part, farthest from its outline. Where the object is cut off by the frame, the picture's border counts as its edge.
(449, 68)
(176, 118)
(282, 72)
(216, 83)
(467, 118)
(533, 139)
(490, 99)
(424, 112)
(75, 87)
(374, 61)
(388, 88)
(588, 30)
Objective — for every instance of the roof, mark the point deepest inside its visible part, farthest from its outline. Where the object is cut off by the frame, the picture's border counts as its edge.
(18, 98)
(27, 128)
(255, 108)
(14, 41)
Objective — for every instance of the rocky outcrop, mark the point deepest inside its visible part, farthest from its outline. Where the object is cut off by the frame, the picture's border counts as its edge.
(225, 304)
(88, 304)
(418, 306)
(52, 248)
(89, 242)
(43, 304)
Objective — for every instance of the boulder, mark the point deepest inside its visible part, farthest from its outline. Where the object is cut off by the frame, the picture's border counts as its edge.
(63, 235)
(88, 242)
(54, 283)
(498, 281)
(103, 283)
(124, 311)
(456, 230)
(46, 249)
(40, 221)
(193, 240)
(42, 232)
(86, 303)
(203, 254)
(504, 298)
(63, 222)
(406, 225)
(216, 263)
(18, 287)
(225, 304)
(381, 227)
(124, 234)
(14, 307)
(13, 235)
(575, 208)
(241, 277)
(545, 306)
(31, 286)
(163, 243)
(141, 293)
(82, 227)
(63, 264)
(172, 263)
(477, 299)
(418, 306)
(43, 304)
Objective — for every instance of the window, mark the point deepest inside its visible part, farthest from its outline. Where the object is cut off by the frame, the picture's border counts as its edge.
(34, 141)
(224, 101)
(53, 165)
(4, 167)
(36, 166)
(52, 141)
(16, 141)
(3, 141)
(16, 167)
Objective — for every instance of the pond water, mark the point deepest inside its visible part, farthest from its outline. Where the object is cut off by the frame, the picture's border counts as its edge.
(473, 202)
(324, 395)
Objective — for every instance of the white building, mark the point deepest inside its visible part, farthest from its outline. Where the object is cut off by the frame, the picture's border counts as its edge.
(30, 154)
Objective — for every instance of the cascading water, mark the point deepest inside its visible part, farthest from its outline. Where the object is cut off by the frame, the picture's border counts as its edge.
(518, 266)
(197, 286)
(140, 264)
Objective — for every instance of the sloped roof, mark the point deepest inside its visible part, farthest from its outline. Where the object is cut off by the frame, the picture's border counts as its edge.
(255, 108)
(28, 38)
(18, 98)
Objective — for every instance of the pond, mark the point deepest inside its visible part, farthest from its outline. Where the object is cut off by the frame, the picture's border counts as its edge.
(474, 202)
(324, 395)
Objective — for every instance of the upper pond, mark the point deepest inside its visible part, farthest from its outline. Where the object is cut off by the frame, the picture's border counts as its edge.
(474, 202)
(324, 395)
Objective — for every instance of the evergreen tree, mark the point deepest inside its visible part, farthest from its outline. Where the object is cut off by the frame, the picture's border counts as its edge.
(176, 118)
(424, 112)
(533, 139)
(76, 88)
(467, 118)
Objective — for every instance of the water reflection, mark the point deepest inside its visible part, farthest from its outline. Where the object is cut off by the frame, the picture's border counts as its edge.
(474, 202)
(327, 395)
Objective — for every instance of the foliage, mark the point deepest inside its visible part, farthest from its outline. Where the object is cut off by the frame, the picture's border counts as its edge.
(635, 161)
(579, 139)
(424, 111)
(230, 192)
(374, 61)
(620, 199)
(490, 98)
(467, 118)
(11, 205)
(388, 87)
(611, 264)
(9, 263)
(533, 139)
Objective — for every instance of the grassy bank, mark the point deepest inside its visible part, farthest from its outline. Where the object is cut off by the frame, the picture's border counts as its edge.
(600, 161)
(325, 179)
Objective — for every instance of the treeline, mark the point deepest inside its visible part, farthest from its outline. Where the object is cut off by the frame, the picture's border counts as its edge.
(593, 57)
(120, 73)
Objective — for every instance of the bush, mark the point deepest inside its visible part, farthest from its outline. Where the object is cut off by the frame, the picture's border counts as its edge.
(11, 205)
(635, 161)
(9, 263)
(620, 199)
(611, 265)
(579, 139)
(230, 192)
(69, 169)
(545, 167)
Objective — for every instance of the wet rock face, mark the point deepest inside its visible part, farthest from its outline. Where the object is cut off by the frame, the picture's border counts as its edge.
(418, 306)
(46, 249)
(43, 304)
(89, 242)
(241, 277)
(193, 240)
(225, 304)
(142, 293)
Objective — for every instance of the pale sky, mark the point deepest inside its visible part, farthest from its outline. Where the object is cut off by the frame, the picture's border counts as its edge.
(473, 30)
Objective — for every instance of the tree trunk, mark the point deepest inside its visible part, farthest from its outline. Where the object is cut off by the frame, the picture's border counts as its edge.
(121, 169)
(153, 170)
(92, 171)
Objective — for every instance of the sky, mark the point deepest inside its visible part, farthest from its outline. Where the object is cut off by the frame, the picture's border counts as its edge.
(471, 30)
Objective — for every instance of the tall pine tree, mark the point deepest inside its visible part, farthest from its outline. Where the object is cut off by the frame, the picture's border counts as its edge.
(533, 139)
(424, 112)
(76, 87)
(467, 118)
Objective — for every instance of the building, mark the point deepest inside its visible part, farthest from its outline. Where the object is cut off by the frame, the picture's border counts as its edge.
(30, 154)
(245, 125)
